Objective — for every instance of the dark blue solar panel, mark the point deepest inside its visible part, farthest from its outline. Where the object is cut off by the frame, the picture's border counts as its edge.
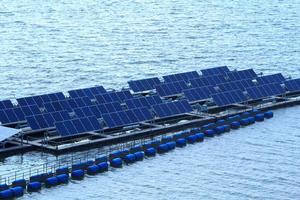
(229, 97)
(274, 78)
(144, 84)
(88, 92)
(263, 91)
(30, 110)
(215, 71)
(95, 123)
(171, 89)
(236, 85)
(12, 115)
(6, 104)
(208, 81)
(84, 112)
(186, 76)
(292, 85)
(242, 74)
(172, 108)
(119, 96)
(201, 93)
(143, 102)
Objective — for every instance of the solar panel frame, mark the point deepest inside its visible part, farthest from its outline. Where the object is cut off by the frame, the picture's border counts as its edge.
(171, 88)
(229, 97)
(167, 109)
(215, 70)
(208, 81)
(292, 85)
(272, 78)
(4, 104)
(144, 84)
(199, 94)
(264, 91)
(184, 76)
(241, 74)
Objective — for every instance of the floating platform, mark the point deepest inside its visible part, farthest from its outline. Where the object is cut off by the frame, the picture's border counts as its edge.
(94, 117)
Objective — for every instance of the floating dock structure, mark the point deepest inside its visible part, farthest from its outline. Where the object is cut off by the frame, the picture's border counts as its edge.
(86, 118)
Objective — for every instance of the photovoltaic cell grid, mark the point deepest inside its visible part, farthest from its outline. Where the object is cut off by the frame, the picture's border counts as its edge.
(88, 92)
(171, 89)
(68, 104)
(98, 110)
(215, 71)
(144, 84)
(263, 91)
(77, 126)
(201, 93)
(127, 117)
(274, 78)
(17, 114)
(207, 80)
(236, 85)
(229, 97)
(242, 74)
(114, 96)
(172, 108)
(143, 102)
(41, 99)
(186, 76)
(6, 104)
(292, 85)
(46, 120)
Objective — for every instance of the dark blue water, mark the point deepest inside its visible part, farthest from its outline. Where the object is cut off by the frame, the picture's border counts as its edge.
(48, 46)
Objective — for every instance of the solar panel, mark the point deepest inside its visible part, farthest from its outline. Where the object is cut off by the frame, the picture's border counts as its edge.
(274, 78)
(172, 108)
(77, 126)
(185, 76)
(119, 96)
(242, 74)
(171, 89)
(197, 94)
(127, 117)
(215, 71)
(40, 99)
(236, 85)
(207, 80)
(88, 92)
(144, 84)
(263, 91)
(6, 104)
(143, 102)
(292, 85)
(229, 97)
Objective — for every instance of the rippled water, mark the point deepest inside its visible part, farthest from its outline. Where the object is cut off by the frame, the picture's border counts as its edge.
(50, 46)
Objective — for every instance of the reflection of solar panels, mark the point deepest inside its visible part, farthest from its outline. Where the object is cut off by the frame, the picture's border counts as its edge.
(215, 71)
(229, 97)
(208, 80)
(144, 84)
(6, 104)
(274, 78)
(46, 120)
(181, 76)
(292, 85)
(242, 74)
(127, 117)
(143, 102)
(172, 108)
(171, 89)
(41, 99)
(267, 90)
(77, 126)
(119, 96)
(88, 92)
(236, 85)
(197, 94)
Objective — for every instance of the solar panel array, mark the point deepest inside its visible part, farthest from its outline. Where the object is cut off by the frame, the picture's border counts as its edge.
(144, 84)
(67, 104)
(242, 74)
(207, 80)
(119, 96)
(292, 85)
(236, 85)
(172, 108)
(215, 71)
(127, 117)
(40, 99)
(267, 90)
(6, 104)
(98, 110)
(229, 97)
(17, 114)
(143, 102)
(171, 89)
(77, 126)
(87, 92)
(274, 78)
(181, 76)
(201, 93)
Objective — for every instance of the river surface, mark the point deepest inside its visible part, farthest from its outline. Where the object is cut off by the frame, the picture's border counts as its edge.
(48, 46)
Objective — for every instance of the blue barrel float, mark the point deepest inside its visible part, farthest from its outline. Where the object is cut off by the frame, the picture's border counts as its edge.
(191, 139)
(209, 133)
(103, 167)
(51, 182)
(150, 152)
(235, 125)
(34, 187)
(181, 142)
(199, 137)
(6, 194)
(63, 178)
(93, 170)
(139, 156)
(17, 191)
(259, 117)
(171, 145)
(163, 148)
(268, 114)
(130, 158)
(244, 122)
(116, 163)
(77, 174)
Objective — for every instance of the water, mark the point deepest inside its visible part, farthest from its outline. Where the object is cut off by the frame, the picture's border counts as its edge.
(49, 46)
